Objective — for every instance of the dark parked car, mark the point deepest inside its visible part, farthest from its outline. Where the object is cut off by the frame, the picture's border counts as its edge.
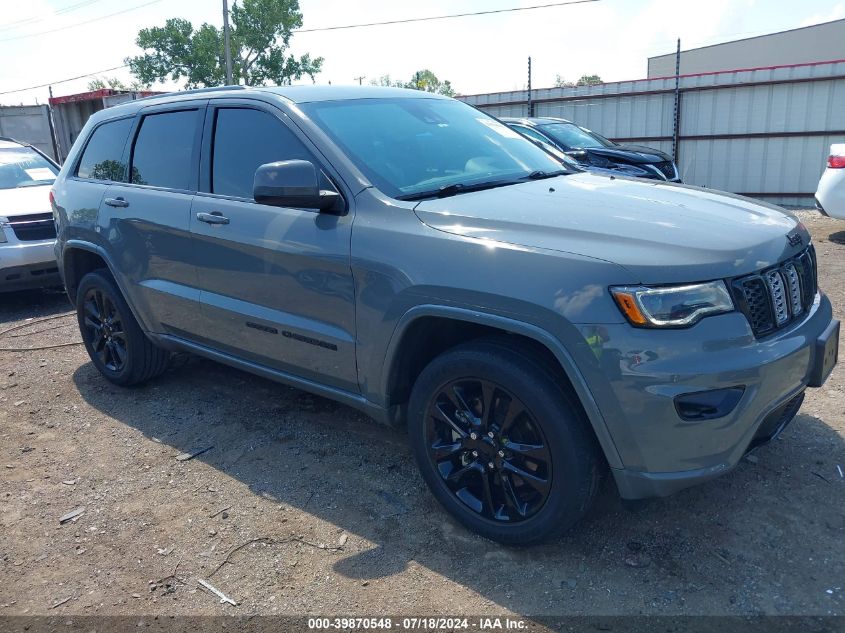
(408, 255)
(594, 152)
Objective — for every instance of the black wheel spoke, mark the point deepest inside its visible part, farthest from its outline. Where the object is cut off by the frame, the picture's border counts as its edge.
(538, 483)
(511, 500)
(533, 451)
(460, 473)
(487, 493)
(489, 450)
(462, 404)
(97, 340)
(445, 450)
(118, 352)
(440, 414)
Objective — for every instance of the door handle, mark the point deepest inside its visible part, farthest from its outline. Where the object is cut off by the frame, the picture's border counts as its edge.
(116, 202)
(215, 217)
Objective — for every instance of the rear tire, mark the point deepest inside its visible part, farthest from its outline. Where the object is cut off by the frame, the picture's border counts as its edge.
(501, 445)
(115, 342)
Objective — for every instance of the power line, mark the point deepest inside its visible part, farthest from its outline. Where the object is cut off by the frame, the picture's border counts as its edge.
(73, 7)
(62, 81)
(70, 26)
(445, 17)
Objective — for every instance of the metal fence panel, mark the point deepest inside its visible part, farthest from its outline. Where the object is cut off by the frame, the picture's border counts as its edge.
(765, 132)
(28, 124)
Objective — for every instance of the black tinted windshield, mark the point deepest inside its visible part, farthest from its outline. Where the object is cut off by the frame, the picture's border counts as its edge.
(409, 146)
(573, 137)
(24, 167)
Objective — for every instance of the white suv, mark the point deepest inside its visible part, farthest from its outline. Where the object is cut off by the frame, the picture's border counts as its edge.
(27, 230)
(830, 196)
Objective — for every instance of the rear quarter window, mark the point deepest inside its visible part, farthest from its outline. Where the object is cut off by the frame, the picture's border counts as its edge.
(103, 154)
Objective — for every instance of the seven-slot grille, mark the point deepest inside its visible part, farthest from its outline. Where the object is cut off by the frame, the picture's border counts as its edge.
(32, 227)
(777, 296)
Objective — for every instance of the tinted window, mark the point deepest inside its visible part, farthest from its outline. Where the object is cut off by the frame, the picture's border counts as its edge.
(244, 140)
(102, 158)
(164, 150)
(24, 167)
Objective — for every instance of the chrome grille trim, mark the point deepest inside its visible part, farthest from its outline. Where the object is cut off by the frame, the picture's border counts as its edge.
(775, 283)
(793, 289)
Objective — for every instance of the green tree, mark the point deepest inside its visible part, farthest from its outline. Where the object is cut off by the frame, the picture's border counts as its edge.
(427, 81)
(560, 82)
(260, 35)
(100, 83)
(586, 80)
(422, 80)
(589, 80)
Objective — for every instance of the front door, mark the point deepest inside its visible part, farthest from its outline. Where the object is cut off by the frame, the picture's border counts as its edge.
(276, 283)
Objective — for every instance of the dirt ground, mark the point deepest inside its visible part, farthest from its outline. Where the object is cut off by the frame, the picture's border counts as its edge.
(331, 516)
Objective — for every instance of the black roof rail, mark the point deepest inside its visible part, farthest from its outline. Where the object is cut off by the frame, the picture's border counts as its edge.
(194, 91)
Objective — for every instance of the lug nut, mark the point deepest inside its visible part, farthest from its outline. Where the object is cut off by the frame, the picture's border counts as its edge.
(491, 465)
(473, 436)
(475, 453)
(490, 435)
(501, 453)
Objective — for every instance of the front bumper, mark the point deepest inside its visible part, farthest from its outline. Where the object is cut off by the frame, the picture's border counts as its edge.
(641, 372)
(25, 265)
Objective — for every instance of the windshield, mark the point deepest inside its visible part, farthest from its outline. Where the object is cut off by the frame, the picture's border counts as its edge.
(409, 147)
(574, 137)
(24, 167)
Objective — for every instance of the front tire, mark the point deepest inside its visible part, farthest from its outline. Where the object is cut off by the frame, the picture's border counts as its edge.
(501, 445)
(115, 342)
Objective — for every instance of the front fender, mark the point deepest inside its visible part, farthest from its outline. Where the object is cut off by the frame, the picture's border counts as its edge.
(534, 332)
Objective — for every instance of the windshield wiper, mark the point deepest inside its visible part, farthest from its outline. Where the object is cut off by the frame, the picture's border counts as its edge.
(541, 175)
(456, 188)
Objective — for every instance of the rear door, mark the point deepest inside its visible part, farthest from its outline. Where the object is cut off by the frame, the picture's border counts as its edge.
(276, 282)
(147, 219)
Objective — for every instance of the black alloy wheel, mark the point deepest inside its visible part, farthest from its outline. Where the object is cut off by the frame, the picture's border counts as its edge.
(105, 330)
(489, 450)
(501, 443)
(117, 345)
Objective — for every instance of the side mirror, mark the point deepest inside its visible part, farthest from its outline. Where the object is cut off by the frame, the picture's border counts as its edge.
(292, 183)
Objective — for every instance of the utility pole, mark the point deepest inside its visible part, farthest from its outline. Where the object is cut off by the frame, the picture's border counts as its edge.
(360, 79)
(227, 45)
(676, 132)
(530, 102)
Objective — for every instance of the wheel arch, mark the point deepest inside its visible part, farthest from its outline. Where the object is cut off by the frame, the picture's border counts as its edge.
(396, 362)
(80, 258)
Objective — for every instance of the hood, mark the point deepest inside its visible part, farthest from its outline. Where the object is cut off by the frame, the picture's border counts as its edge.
(660, 232)
(24, 200)
(636, 154)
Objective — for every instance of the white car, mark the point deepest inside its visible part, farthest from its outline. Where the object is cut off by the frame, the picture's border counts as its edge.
(830, 196)
(27, 230)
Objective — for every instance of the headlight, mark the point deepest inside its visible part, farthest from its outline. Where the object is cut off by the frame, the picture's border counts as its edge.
(672, 306)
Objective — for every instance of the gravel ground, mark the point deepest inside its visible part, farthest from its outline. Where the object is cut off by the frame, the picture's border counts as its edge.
(302, 506)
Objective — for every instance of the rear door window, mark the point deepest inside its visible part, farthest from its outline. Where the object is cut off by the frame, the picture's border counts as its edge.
(102, 158)
(245, 139)
(163, 155)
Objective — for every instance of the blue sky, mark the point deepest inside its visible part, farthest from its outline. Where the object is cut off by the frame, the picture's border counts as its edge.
(611, 38)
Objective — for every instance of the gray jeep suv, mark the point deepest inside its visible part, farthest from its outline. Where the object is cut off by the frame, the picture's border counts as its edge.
(411, 256)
